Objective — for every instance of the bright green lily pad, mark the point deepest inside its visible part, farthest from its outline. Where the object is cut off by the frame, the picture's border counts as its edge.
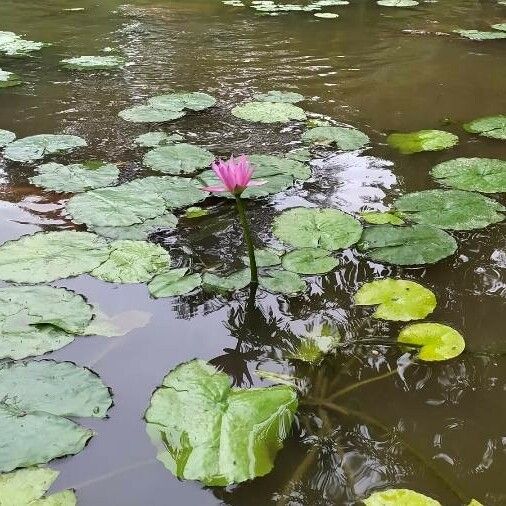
(346, 139)
(14, 45)
(35, 147)
(284, 282)
(36, 397)
(480, 35)
(378, 218)
(424, 140)
(178, 159)
(74, 178)
(267, 257)
(397, 299)
(288, 97)
(315, 344)
(6, 137)
(195, 101)
(399, 497)
(93, 62)
(309, 261)
(9, 79)
(489, 126)
(195, 212)
(211, 432)
(486, 175)
(414, 245)
(437, 341)
(450, 209)
(317, 228)
(149, 114)
(132, 262)
(156, 139)
(38, 319)
(26, 487)
(235, 281)
(46, 256)
(269, 112)
(397, 3)
(174, 282)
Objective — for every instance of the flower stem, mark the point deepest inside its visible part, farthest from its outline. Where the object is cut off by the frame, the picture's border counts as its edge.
(248, 239)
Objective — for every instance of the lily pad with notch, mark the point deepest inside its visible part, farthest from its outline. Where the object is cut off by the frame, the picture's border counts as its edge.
(235, 281)
(288, 97)
(157, 139)
(269, 112)
(344, 138)
(178, 159)
(283, 282)
(194, 101)
(174, 282)
(423, 140)
(493, 127)
(309, 261)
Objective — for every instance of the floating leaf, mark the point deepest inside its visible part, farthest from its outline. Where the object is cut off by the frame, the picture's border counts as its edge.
(397, 299)
(309, 261)
(195, 101)
(397, 3)
(178, 159)
(174, 282)
(36, 398)
(38, 319)
(214, 433)
(399, 497)
(9, 79)
(480, 35)
(74, 178)
(377, 218)
(132, 262)
(149, 114)
(6, 137)
(195, 212)
(35, 147)
(46, 256)
(93, 62)
(278, 281)
(347, 139)
(424, 140)
(437, 341)
(265, 257)
(450, 209)
(279, 96)
(269, 112)
(319, 341)
(26, 487)
(485, 175)
(156, 139)
(14, 45)
(299, 154)
(317, 228)
(235, 281)
(414, 245)
(490, 126)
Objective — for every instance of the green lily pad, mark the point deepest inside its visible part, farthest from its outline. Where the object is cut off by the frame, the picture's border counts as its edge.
(299, 154)
(397, 3)
(26, 487)
(346, 139)
(450, 209)
(46, 256)
(485, 175)
(178, 159)
(489, 126)
(437, 341)
(235, 281)
(6, 137)
(319, 341)
(317, 228)
(267, 257)
(424, 140)
(268, 112)
(93, 62)
(377, 218)
(399, 497)
(500, 26)
(174, 282)
(195, 101)
(414, 245)
(480, 35)
(156, 139)
(35, 147)
(74, 178)
(132, 262)
(195, 212)
(38, 319)
(214, 433)
(141, 231)
(309, 261)
(36, 397)
(288, 97)
(9, 79)
(149, 114)
(397, 299)
(278, 281)
(14, 45)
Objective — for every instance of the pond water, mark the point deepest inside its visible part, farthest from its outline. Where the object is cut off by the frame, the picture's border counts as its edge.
(438, 428)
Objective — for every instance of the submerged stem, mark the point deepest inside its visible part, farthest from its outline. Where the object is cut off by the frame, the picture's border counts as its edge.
(248, 239)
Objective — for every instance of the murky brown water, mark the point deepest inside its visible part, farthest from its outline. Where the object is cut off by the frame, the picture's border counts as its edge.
(360, 69)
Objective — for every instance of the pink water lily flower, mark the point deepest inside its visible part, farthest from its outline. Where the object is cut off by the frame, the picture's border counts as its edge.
(235, 174)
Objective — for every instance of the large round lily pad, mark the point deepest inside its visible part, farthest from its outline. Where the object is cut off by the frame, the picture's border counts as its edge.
(265, 257)
(486, 175)
(233, 282)
(178, 159)
(211, 432)
(156, 139)
(132, 262)
(437, 341)
(174, 282)
(93, 62)
(269, 112)
(397, 299)
(46, 256)
(36, 397)
(399, 497)
(38, 319)
(450, 209)
(284, 282)
(317, 228)
(6, 137)
(489, 126)
(382, 218)
(195, 101)
(9, 79)
(37, 146)
(149, 114)
(480, 35)
(309, 261)
(424, 140)
(14, 45)
(346, 139)
(414, 245)
(77, 177)
(288, 97)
